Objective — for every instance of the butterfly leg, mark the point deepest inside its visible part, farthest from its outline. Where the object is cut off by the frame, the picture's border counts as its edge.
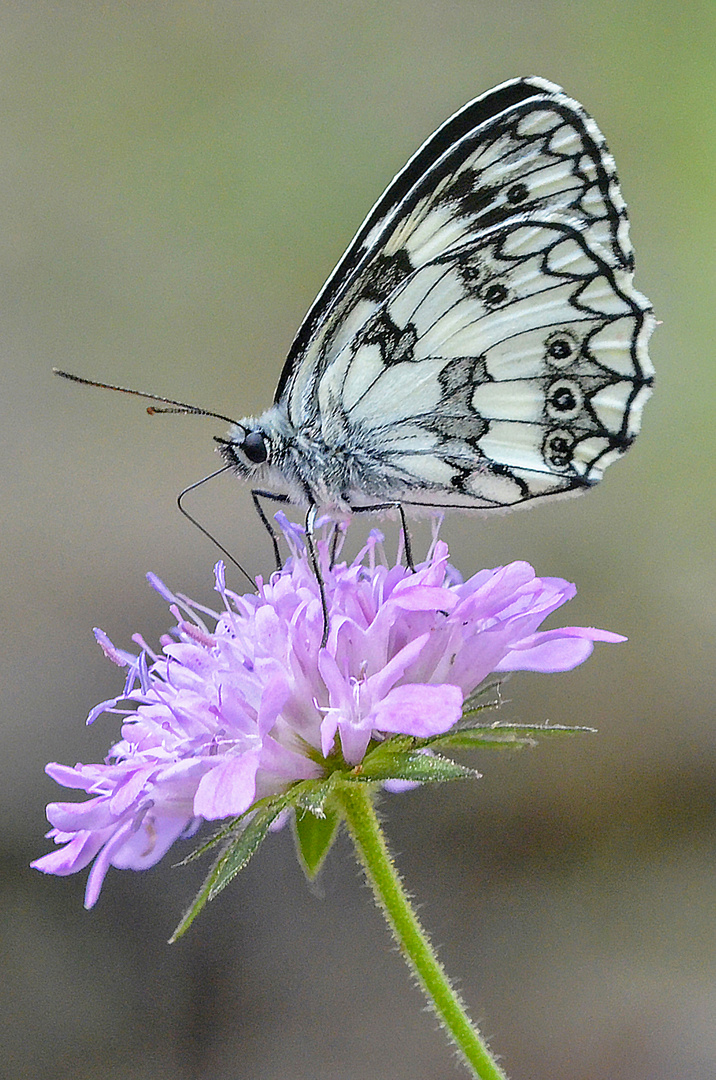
(334, 545)
(406, 539)
(313, 556)
(403, 524)
(256, 494)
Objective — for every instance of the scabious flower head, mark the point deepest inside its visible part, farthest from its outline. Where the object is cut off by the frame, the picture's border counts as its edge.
(243, 702)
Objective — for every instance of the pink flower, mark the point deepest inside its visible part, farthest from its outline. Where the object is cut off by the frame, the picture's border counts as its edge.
(250, 704)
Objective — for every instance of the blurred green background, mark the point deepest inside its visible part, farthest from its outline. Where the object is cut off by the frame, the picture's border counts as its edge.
(176, 181)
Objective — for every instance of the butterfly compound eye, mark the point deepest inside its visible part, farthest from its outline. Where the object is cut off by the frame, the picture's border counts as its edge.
(254, 446)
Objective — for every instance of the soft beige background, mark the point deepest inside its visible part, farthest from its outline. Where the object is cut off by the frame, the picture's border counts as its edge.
(176, 180)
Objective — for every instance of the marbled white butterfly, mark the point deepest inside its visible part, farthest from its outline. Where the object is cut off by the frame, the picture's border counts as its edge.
(480, 343)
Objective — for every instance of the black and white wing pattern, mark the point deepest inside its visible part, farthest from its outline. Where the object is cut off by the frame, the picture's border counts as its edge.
(480, 343)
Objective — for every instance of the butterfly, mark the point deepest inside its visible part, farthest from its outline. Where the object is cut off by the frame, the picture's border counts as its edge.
(480, 344)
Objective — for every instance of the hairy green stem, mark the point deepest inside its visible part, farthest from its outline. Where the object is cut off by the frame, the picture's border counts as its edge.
(356, 803)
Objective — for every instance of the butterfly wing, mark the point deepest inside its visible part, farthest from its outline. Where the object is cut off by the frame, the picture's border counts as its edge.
(480, 343)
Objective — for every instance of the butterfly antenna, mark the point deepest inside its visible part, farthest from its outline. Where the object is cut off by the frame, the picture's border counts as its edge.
(177, 406)
(206, 532)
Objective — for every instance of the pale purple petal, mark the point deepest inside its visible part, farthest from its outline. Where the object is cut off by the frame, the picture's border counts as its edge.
(145, 846)
(228, 789)
(383, 680)
(68, 775)
(89, 815)
(555, 650)
(329, 728)
(77, 853)
(103, 862)
(354, 740)
(418, 710)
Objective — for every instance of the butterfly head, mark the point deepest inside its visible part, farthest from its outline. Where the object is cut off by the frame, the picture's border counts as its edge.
(247, 450)
(258, 450)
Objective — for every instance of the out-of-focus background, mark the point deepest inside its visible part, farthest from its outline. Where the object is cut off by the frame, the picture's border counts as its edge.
(176, 181)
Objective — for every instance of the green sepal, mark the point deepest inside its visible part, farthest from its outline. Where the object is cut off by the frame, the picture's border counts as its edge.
(314, 795)
(401, 757)
(412, 765)
(221, 834)
(475, 738)
(314, 833)
(236, 853)
(499, 735)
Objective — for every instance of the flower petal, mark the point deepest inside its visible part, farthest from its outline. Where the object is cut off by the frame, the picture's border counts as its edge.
(228, 788)
(418, 710)
(555, 650)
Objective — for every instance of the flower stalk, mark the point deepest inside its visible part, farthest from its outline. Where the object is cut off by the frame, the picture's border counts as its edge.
(356, 804)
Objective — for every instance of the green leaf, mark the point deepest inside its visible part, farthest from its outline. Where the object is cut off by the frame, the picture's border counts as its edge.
(474, 738)
(413, 765)
(234, 857)
(499, 735)
(314, 836)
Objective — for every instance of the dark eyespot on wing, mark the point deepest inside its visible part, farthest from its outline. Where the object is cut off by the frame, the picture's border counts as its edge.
(560, 347)
(558, 448)
(495, 294)
(517, 193)
(564, 399)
